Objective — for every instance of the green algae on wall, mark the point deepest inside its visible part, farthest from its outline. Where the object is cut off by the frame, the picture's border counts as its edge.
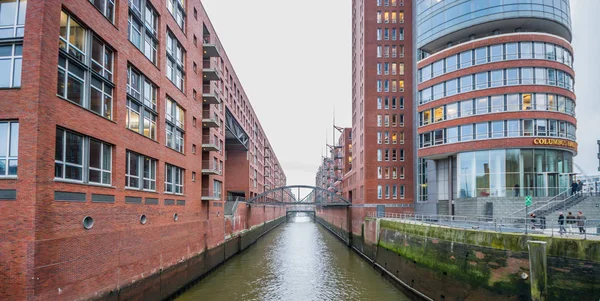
(516, 242)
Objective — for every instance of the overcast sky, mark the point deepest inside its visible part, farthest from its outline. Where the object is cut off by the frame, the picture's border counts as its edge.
(293, 59)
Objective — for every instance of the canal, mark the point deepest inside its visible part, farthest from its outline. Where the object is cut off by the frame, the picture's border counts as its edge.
(299, 260)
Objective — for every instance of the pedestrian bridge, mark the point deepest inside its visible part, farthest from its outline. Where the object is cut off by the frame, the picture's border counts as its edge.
(298, 195)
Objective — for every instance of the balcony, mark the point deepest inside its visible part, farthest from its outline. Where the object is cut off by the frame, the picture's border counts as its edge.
(208, 196)
(209, 48)
(210, 119)
(210, 95)
(210, 168)
(210, 72)
(210, 144)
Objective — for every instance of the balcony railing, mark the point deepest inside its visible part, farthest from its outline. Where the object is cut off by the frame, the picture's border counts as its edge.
(208, 195)
(210, 71)
(209, 48)
(211, 94)
(210, 168)
(210, 119)
(210, 144)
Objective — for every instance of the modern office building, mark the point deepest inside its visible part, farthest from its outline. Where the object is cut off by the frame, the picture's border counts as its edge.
(382, 78)
(123, 129)
(495, 103)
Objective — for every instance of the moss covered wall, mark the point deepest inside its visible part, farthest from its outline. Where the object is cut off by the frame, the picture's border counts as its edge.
(455, 264)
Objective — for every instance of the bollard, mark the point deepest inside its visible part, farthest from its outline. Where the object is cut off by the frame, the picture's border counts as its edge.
(538, 270)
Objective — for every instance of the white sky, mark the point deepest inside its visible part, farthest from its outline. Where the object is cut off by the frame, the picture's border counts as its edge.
(293, 59)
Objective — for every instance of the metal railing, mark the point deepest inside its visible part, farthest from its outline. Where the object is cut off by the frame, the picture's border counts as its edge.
(539, 204)
(578, 228)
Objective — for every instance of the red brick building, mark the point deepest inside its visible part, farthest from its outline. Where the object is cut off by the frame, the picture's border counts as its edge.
(123, 130)
(382, 64)
(495, 105)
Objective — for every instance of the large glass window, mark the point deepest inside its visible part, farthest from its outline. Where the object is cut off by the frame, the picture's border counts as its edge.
(497, 79)
(452, 87)
(481, 80)
(466, 59)
(451, 63)
(497, 103)
(9, 147)
(497, 129)
(452, 135)
(82, 159)
(512, 76)
(527, 102)
(141, 104)
(438, 68)
(512, 51)
(481, 55)
(106, 7)
(175, 61)
(143, 26)
(77, 61)
(466, 132)
(466, 108)
(11, 61)
(12, 18)
(174, 179)
(177, 9)
(482, 105)
(466, 83)
(140, 172)
(512, 128)
(482, 130)
(526, 50)
(526, 76)
(512, 102)
(496, 53)
(452, 111)
(175, 118)
(540, 102)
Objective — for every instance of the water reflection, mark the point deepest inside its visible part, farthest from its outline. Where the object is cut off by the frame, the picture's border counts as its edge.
(297, 261)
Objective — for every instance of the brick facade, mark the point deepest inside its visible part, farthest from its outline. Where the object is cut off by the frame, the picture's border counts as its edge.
(45, 253)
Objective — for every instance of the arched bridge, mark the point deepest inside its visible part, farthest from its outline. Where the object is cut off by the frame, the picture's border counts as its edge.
(298, 195)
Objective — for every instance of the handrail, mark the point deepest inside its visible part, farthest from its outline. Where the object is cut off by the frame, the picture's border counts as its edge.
(523, 210)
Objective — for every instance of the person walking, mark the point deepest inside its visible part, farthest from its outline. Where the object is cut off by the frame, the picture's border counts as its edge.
(573, 188)
(516, 189)
(581, 222)
(561, 224)
(570, 221)
(579, 187)
(532, 215)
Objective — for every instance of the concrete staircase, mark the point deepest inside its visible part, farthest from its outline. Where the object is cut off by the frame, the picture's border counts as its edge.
(589, 205)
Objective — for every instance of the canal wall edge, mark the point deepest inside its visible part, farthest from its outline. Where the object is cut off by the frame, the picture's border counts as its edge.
(167, 283)
(456, 264)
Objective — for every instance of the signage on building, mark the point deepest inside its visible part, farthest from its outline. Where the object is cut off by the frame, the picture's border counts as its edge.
(555, 142)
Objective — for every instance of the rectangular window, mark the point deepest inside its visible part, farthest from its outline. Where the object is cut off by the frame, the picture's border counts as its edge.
(82, 159)
(140, 172)
(9, 148)
(438, 68)
(387, 191)
(12, 18)
(497, 103)
(466, 83)
(175, 119)
(174, 179)
(466, 132)
(452, 111)
(481, 80)
(141, 112)
(512, 102)
(401, 191)
(527, 127)
(401, 36)
(512, 128)
(497, 129)
(496, 53)
(452, 87)
(452, 135)
(541, 127)
(481, 55)
(379, 192)
(527, 102)
(526, 50)
(426, 73)
(84, 73)
(451, 63)
(512, 76)
(482, 105)
(176, 8)
(540, 102)
(497, 79)
(106, 7)
(512, 51)
(466, 108)
(143, 26)
(11, 61)
(175, 61)
(526, 76)
(466, 59)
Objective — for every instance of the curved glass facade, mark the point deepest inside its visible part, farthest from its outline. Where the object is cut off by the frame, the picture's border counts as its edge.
(513, 172)
(496, 53)
(497, 78)
(512, 128)
(497, 104)
(437, 18)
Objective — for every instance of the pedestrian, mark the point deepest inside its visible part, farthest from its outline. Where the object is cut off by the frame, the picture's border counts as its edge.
(573, 187)
(516, 189)
(579, 187)
(581, 222)
(561, 224)
(570, 221)
(532, 215)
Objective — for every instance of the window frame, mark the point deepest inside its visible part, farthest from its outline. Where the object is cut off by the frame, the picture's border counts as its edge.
(10, 156)
(141, 172)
